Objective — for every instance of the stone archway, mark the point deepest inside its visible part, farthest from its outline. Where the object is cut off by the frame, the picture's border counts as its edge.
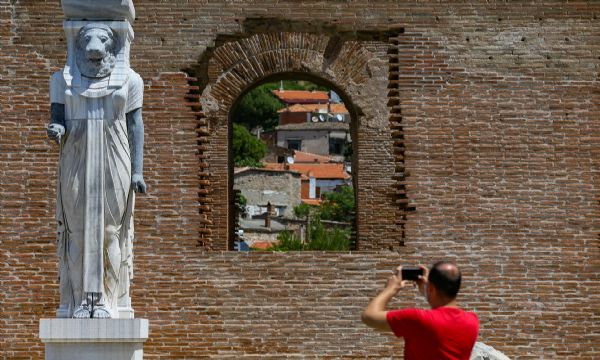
(362, 78)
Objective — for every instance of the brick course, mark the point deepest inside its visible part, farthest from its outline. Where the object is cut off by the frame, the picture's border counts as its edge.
(477, 134)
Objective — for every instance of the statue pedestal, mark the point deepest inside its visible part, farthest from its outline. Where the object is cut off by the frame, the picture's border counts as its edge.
(94, 339)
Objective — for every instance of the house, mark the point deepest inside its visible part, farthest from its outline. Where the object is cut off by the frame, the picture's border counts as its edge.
(277, 154)
(322, 138)
(316, 179)
(304, 113)
(260, 186)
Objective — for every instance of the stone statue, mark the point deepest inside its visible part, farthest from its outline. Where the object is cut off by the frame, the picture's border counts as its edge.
(96, 118)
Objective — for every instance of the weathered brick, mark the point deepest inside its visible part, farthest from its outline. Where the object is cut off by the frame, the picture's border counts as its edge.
(476, 127)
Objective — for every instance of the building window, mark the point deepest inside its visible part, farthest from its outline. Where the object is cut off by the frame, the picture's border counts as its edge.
(336, 146)
(294, 144)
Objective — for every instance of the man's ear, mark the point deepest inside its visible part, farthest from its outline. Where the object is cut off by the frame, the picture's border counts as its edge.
(433, 293)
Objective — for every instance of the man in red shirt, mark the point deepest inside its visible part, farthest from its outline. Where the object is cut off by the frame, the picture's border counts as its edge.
(444, 332)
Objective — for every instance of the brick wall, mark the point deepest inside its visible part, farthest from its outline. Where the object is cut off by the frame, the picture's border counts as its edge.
(478, 140)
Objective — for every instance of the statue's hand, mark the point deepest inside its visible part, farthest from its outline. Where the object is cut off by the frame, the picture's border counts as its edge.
(55, 132)
(138, 184)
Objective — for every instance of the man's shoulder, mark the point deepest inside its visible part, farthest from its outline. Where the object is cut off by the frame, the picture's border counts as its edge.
(410, 310)
(407, 313)
(455, 315)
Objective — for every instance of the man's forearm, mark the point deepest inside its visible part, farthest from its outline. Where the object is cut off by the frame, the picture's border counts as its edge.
(375, 314)
(379, 303)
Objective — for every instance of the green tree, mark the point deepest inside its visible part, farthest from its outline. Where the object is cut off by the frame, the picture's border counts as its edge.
(247, 149)
(323, 239)
(338, 205)
(302, 210)
(258, 108)
(287, 242)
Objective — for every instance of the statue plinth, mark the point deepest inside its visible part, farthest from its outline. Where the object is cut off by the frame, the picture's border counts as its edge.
(94, 339)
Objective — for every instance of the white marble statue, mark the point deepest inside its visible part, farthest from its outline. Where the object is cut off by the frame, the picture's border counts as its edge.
(96, 105)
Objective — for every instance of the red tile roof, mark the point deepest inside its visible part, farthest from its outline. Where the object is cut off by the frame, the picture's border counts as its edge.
(301, 96)
(305, 157)
(314, 108)
(318, 171)
(312, 201)
(262, 244)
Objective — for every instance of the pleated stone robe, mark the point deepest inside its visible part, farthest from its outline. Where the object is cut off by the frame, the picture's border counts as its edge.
(94, 197)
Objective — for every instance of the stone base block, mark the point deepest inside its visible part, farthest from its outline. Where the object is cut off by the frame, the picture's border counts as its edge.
(94, 339)
(99, 10)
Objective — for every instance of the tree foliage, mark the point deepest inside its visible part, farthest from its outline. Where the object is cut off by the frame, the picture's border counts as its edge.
(338, 205)
(321, 239)
(247, 149)
(258, 108)
(302, 210)
(287, 241)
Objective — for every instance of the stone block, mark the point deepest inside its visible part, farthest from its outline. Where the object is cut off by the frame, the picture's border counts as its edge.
(117, 10)
(94, 339)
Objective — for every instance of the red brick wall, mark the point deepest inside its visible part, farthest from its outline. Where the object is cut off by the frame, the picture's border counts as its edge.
(478, 138)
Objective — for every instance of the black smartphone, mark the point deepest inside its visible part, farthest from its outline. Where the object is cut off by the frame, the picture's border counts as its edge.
(411, 273)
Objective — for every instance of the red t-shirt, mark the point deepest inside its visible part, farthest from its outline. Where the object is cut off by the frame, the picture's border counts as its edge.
(438, 334)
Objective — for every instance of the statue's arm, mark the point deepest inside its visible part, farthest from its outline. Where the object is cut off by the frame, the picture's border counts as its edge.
(56, 129)
(135, 133)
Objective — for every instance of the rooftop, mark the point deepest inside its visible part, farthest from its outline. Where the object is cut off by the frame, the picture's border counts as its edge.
(301, 96)
(315, 202)
(316, 108)
(317, 170)
(321, 125)
(306, 157)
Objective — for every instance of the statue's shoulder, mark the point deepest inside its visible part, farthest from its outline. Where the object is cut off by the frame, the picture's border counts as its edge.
(58, 86)
(135, 81)
(135, 78)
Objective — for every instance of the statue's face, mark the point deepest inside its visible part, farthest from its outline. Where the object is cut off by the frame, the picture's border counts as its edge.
(95, 54)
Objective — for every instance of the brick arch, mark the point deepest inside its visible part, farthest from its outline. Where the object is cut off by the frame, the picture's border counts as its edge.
(237, 66)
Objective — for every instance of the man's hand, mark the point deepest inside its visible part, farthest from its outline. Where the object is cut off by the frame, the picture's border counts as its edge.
(138, 184)
(375, 314)
(422, 281)
(395, 282)
(55, 132)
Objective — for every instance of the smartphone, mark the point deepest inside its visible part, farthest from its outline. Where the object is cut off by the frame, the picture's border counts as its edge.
(411, 273)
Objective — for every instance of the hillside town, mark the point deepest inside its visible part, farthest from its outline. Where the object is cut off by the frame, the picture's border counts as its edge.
(308, 156)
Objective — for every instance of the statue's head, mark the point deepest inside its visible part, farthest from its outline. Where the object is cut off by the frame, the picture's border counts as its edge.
(96, 50)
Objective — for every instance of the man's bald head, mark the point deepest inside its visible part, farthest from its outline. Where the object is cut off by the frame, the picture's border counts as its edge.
(446, 278)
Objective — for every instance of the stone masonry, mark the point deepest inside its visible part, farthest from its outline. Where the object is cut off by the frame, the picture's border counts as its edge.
(476, 135)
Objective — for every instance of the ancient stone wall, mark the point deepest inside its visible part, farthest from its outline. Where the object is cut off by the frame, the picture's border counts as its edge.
(477, 138)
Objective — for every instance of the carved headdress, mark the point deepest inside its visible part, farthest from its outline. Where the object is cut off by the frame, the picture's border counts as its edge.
(113, 16)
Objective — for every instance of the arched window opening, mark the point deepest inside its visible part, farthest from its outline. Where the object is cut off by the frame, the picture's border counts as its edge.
(291, 167)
